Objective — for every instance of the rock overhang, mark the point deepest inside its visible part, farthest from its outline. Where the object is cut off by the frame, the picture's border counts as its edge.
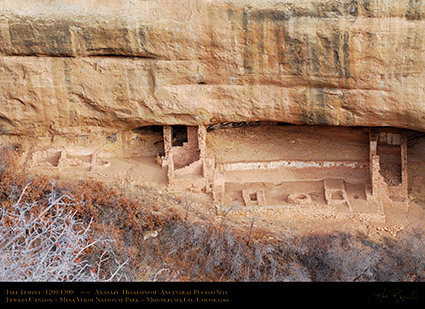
(73, 67)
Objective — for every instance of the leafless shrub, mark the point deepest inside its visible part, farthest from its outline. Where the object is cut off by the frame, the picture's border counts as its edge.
(340, 257)
(194, 252)
(47, 242)
(404, 256)
(210, 253)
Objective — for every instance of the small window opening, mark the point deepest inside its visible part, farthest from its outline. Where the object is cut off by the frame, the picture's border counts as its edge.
(337, 195)
(179, 135)
(253, 197)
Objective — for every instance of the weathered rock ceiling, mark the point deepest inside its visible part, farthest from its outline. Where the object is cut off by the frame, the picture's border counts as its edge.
(68, 67)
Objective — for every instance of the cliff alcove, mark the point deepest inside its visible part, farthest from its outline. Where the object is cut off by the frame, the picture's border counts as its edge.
(260, 169)
(294, 108)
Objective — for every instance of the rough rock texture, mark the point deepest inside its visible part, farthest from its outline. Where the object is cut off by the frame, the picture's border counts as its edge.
(74, 66)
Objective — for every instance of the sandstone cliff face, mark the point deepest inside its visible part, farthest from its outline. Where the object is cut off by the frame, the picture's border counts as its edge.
(74, 66)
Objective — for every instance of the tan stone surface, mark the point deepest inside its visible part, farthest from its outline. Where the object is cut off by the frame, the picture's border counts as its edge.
(78, 66)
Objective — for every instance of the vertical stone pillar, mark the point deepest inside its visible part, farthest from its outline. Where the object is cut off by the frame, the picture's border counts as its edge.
(202, 133)
(167, 140)
(168, 156)
(373, 162)
(374, 177)
(387, 193)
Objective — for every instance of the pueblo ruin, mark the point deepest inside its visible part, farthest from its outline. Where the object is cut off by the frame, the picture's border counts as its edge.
(349, 172)
(274, 106)
(350, 184)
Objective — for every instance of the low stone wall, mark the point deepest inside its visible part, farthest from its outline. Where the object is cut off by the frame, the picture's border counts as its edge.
(240, 166)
